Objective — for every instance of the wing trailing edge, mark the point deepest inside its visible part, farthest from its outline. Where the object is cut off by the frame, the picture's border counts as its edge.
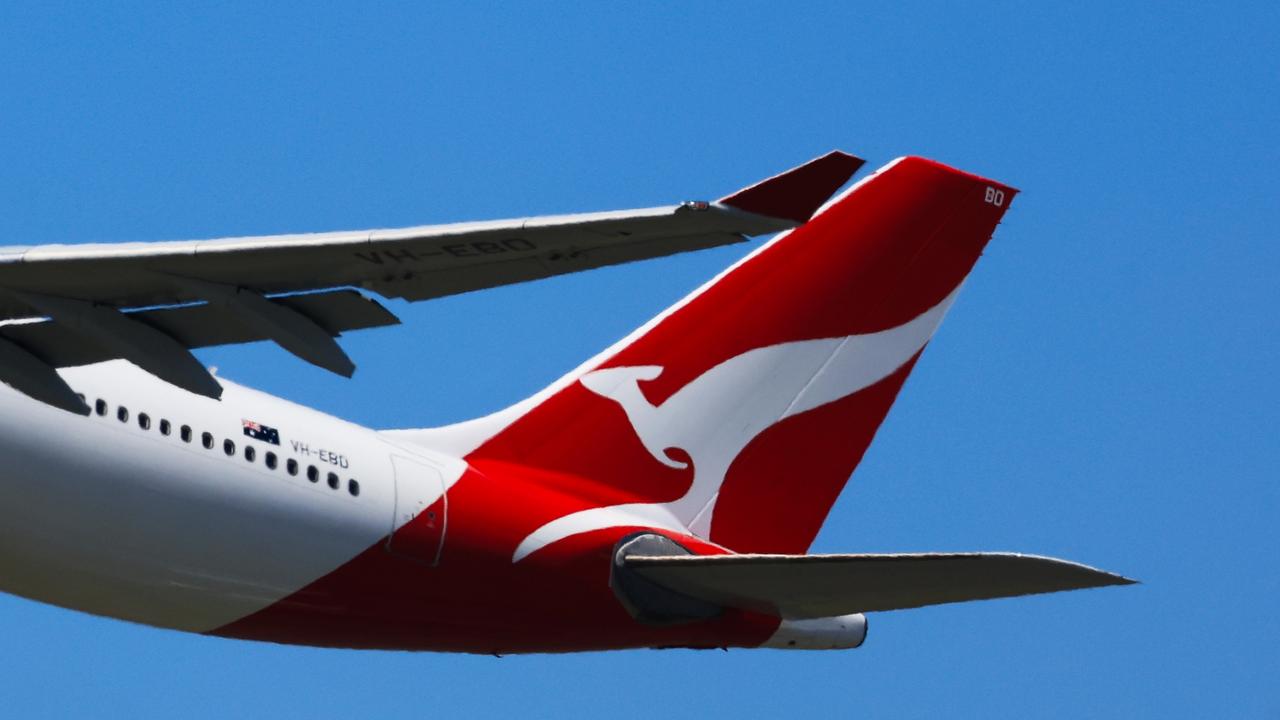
(31, 350)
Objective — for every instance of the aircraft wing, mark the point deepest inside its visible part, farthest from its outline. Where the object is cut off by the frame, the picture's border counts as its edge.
(811, 586)
(94, 297)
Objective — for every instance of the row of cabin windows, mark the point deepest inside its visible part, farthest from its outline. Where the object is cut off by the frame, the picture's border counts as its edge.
(229, 447)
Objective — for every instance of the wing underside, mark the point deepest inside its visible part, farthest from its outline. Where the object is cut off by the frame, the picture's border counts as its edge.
(151, 303)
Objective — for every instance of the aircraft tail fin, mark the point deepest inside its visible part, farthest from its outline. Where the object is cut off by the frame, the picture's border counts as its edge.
(739, 413)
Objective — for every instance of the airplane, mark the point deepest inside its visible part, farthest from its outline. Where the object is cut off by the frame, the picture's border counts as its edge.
(663, 494)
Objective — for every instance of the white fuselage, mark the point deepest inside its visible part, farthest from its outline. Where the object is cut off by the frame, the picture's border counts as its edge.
(101, 514)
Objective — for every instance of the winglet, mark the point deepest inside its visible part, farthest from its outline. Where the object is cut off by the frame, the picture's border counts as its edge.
(797, 193)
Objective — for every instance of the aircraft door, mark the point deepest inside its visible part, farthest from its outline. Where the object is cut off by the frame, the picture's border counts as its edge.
(421, 507)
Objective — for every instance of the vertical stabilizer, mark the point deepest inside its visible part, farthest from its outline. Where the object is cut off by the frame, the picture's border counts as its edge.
(740, 413)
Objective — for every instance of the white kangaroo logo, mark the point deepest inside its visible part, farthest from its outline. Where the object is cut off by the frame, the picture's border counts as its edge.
(717, 414)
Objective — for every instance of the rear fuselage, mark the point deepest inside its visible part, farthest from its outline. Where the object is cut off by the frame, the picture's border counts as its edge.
(161, 507)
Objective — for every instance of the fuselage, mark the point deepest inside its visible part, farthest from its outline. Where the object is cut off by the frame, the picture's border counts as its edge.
(174, 510)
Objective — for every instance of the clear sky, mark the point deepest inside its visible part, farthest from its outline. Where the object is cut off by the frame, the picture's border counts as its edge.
(1105, 390)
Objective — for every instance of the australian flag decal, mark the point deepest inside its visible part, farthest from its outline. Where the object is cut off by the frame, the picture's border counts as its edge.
(258, 431)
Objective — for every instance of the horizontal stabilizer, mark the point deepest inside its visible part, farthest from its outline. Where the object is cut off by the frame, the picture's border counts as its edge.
(811, 586)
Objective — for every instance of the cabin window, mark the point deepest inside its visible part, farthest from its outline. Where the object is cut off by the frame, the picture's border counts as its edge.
(144, 421)
(270, 460)
(312, 473)
(185, 433)
(100, 406)
(229, 447)
(333, 481)
(206, 439)
(165, 427)
(353, 487)
(291, 466)
(122, 414)
(249, 453)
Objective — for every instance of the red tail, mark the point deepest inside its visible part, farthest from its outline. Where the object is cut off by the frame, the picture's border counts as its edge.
(740, 413)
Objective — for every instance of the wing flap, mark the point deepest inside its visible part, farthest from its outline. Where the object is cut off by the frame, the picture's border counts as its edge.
(811, 586)
(197, 326)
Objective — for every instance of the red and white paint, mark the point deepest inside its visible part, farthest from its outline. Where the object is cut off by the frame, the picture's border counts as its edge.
(731, 423)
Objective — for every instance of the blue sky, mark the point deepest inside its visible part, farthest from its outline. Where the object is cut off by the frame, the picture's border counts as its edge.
(1105, 390)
